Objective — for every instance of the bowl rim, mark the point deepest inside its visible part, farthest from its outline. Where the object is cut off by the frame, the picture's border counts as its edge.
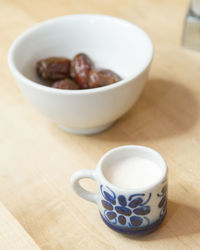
(37, 85)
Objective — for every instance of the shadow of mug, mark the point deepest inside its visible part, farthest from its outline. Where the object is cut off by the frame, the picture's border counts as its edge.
(181, 220)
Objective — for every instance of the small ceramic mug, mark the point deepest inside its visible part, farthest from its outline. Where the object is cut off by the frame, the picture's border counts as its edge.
(135, 211)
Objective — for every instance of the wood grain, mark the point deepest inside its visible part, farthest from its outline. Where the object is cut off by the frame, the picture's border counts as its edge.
(37, 158)
(12, 235)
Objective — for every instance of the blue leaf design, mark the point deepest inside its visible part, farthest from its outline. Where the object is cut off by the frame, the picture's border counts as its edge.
(122, 200)
(147, 200)
(107, 205)
(109, 198)
(123, 210)
(111, 215)
(142, 210)
(122, 220)
(136, 221)
(164, 189)
(163, 209)
(134, 195)
(136, 202)
(162, 202)
(165, 205)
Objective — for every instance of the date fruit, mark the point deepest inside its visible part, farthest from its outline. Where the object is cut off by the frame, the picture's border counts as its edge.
(102, 78)
(80, 68)
(53, 68)
(66, 84)
(80, 73)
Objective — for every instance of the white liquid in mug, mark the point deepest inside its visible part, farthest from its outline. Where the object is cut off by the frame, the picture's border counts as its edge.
(133, 172)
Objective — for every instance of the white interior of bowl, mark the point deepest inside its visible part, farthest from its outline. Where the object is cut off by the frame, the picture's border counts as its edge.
(111, 42)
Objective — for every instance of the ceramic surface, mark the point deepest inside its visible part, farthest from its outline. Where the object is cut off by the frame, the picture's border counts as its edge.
(111, 42)
(135, 211)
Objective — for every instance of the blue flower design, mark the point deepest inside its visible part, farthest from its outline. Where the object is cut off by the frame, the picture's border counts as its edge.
(163, 202)
(129, 211)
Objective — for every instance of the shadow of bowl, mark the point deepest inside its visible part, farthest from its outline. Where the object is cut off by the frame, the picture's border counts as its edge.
(165, 109)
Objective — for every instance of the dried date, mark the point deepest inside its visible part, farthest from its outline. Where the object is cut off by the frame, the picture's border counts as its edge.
(80, 68)
(102, 78)
(66, 84)
(110, 73)
(53, 68)
(79, 73)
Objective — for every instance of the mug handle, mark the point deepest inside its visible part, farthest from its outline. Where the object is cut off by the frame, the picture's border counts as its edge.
(81, 174)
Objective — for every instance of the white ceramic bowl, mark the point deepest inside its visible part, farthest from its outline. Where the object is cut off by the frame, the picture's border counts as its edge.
(111, 42)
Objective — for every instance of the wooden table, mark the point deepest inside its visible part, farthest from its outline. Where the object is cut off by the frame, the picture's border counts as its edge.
(37, 158)
(12, 235)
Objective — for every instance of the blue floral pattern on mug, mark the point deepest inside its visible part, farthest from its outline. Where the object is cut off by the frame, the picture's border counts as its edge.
(128, 212)
(163, 202)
